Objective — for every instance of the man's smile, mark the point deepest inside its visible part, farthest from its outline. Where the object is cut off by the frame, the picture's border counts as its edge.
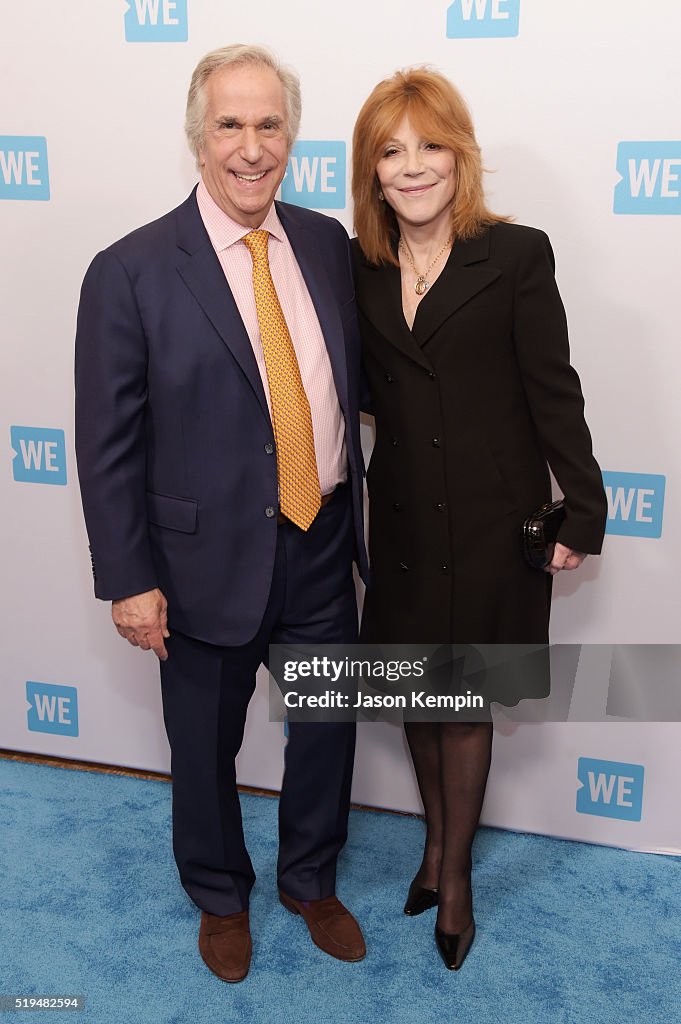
(249, 177)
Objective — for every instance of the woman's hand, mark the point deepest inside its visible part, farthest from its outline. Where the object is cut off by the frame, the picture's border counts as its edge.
(564, 558)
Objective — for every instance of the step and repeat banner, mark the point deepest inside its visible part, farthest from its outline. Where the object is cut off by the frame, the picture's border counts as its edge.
(576, 109)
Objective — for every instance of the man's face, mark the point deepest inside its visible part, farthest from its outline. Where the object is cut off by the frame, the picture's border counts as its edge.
(245, 148)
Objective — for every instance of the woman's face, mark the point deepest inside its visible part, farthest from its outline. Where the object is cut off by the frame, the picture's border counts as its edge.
(417, 177)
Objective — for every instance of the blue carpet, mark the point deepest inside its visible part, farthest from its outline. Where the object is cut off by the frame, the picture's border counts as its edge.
(91, 905)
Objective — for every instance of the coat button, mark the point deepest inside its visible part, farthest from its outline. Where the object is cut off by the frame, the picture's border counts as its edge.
(441, 506)
(270, 512)
(269, 448)
(389, 379)
(435, 442)
(403, 567)
(395, 443)
(431, 375)
(444, 568)
(398, 506)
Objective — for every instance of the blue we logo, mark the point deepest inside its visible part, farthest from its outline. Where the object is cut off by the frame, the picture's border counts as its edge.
(52, 709)
(610, 789)
(635, 503)
(475, 19)
(156, 21)
(39, 455)
(650, 178)
(315, 176)
(24, 172)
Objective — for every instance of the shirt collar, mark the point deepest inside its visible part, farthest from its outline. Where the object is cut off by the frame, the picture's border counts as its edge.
(222, 230)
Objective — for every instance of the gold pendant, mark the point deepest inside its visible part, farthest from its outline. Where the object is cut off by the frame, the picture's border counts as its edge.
(421, 286)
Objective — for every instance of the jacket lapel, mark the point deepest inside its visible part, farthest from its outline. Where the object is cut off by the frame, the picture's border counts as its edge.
(313, 263)
(200, 270)
(379, 297)
(462, 278)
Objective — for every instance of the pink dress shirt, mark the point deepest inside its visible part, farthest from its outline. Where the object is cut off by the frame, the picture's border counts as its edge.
(301, 318)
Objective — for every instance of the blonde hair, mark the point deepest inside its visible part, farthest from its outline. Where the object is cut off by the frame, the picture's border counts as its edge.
(233, 56)
(439, 113)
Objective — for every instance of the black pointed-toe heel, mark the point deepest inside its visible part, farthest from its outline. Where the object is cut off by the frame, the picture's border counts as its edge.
(454, 948)
(420, 899)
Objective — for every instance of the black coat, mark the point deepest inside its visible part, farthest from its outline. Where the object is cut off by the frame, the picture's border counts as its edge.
(472, 406)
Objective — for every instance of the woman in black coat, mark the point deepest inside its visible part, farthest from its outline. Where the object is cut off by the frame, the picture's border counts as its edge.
(467, 359)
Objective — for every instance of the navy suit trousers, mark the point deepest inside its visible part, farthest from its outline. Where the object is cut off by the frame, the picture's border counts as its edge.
(206, 690)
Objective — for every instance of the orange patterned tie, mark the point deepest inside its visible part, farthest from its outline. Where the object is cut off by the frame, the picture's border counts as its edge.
(299, 491)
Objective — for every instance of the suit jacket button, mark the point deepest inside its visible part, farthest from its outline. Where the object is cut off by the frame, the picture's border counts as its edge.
(441, 506)
(395, 443)
(269, 448)
(403, 567)
(436, 442)
(270, 512)
(431, 375)
(398, 506)
(444, 568)
(388, 378)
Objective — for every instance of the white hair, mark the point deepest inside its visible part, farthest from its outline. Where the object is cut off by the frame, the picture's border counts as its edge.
(233, 56)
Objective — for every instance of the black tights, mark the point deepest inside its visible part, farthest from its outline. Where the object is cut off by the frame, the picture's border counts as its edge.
(452, 762)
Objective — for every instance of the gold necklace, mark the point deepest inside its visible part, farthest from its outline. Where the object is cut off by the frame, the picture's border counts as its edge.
(422, 285)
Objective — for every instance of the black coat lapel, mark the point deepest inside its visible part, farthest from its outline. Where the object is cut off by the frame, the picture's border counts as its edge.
(461, 279)
(380, 295)
(200, 269)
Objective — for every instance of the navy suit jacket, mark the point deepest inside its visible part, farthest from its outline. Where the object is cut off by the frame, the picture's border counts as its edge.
(173, 435)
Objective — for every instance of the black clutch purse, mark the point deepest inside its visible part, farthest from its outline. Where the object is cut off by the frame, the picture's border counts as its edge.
(540, 531)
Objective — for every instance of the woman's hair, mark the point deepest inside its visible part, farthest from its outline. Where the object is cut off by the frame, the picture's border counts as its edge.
(234, 56)
(438, 112)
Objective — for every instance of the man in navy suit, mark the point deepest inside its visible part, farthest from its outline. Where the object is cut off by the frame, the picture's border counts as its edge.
(217, 379)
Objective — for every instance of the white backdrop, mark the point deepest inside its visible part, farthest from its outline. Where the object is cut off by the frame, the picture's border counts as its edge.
(91, 146)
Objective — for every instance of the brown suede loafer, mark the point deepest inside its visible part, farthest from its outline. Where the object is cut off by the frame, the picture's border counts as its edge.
(225, 944)
(332, 927)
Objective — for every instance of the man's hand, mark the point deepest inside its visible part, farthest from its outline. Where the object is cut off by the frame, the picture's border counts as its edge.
(142, 620)
(564, 558)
